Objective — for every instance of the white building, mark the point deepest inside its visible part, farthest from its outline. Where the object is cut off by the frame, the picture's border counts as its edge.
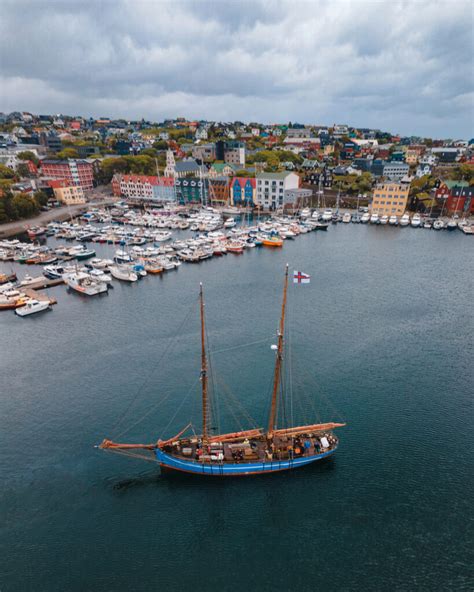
(170, 170)
(271, 189)
(201, 133)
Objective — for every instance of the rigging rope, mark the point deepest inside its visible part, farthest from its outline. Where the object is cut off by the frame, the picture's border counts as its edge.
(147, 379)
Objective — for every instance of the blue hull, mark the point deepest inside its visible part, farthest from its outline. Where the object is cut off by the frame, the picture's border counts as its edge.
(217, 469)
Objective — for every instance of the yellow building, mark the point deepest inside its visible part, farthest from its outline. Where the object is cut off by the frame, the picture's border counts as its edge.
(70, 195)
(390, 199)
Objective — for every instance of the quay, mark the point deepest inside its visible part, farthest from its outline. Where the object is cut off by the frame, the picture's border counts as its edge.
(34, 295)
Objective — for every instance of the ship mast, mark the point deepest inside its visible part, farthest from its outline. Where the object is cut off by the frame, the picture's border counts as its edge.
(203, 368)
(278, 361)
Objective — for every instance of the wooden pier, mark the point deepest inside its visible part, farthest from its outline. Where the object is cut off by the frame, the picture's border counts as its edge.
(39, 296)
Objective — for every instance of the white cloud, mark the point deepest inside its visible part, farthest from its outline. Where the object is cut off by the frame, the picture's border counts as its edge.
(403, 66)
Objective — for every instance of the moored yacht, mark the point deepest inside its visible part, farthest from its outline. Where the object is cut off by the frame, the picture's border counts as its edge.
(32, 306)
(85, 284)
(416, 220)
(393, 221)
(384, 220)
(405, 220)
(374, 219)
(346, 218)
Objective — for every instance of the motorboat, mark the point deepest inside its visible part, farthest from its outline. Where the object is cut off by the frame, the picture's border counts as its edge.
(85, 284)
(53, 272)
(273, 241)
(229, 223)
(305, 213)
(32, 306)
(452, 224)
(122, 256)
(384, 220)
(100, 275)
(84, 254)
(416, 221)
(405, 220)
(428, 223)
(327, 215)
(346, 218)
(374, 219)
(365, 218)
(438, 224)
(468, 229)
(124, 273)
(393, 221)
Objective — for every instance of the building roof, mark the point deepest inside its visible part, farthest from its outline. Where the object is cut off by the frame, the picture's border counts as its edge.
(274, 176)
(242, 181)
(150, 179)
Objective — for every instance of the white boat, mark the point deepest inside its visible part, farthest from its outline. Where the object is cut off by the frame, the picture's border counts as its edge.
(452, 224)
(305, 213)
(124, 273)
(416, 221)
(85, 284)
(229, 223)
(101, 276)
(468, 229)
(161, 237)
(374, 219)
(438, 224)
(327, 215)
(384, 220)
(405, 220)
(346, 218)
(122, 256)
(365, 218)
(32, 306)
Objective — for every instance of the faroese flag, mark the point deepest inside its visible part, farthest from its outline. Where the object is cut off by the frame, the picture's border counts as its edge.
(301, 278)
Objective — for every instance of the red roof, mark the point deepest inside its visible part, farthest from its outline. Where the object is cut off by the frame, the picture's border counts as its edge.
(243, 181)
(57, 183)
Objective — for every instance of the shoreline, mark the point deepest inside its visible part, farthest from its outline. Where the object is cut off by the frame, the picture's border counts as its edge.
(60, 214)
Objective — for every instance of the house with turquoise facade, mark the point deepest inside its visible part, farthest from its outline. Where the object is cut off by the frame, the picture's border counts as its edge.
(242, 191)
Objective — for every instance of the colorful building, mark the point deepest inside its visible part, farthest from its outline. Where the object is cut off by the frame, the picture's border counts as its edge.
(243, 191)
(390, 199)
(192, 190)
(144, 187)
(219, 191)
(66, 192)
(458, 196)
(77, 172)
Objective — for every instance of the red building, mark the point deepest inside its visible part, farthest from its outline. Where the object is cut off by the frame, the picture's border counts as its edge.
(458, 196)
(78, 172)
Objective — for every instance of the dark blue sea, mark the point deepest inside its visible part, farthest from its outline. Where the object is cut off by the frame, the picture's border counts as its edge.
(382, 338)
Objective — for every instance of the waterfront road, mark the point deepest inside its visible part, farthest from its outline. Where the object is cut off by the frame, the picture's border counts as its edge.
(58, 214)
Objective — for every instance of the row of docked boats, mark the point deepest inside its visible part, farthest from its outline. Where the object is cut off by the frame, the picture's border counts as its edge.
(415, 221)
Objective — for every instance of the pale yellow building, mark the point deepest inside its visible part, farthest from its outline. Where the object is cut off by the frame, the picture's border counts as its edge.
(70, 195)
(390, 199)
(411, 156)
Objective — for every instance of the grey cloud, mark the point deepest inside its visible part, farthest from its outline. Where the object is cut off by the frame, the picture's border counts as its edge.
(404, 66)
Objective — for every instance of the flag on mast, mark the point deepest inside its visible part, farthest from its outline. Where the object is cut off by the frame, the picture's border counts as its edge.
(301, 278)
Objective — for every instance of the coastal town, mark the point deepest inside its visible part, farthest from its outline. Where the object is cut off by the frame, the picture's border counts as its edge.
(140, 198)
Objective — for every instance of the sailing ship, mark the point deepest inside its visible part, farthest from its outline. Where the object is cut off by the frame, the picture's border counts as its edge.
(243, 453)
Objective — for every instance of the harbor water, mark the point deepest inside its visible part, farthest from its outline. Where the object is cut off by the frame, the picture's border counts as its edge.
(382, 337)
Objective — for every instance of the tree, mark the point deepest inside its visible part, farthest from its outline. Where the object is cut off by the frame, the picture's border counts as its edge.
(28, 155)
(160, 145)
(68, 153)
(41, 198)
(463, 172)
(6, 172)
(148, 152)
(25, 205)
(23, 170)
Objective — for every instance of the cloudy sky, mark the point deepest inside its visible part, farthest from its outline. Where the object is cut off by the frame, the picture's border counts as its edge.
(406, 67)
